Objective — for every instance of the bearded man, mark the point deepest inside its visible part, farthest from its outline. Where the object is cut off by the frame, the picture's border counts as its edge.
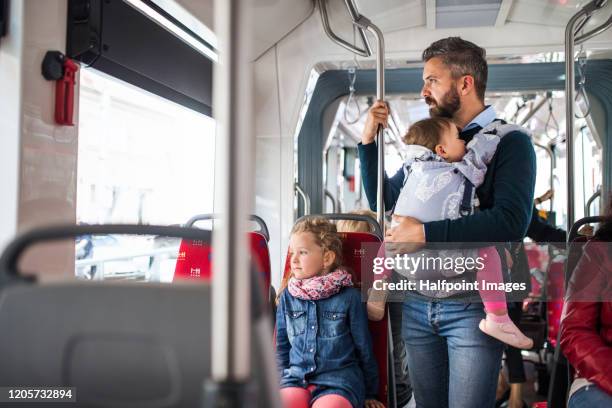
(450, 361)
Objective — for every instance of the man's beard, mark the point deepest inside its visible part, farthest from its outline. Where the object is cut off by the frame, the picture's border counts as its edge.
(447, 108)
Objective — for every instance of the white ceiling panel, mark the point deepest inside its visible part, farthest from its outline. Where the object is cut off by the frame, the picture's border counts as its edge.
(392, 15)
(543, 12)
(273, 19)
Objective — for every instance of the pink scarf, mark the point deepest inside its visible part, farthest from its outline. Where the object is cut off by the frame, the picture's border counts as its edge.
(320, 287)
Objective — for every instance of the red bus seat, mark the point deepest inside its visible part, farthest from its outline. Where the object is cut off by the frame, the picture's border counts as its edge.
(361, 262)
(555, 291)
(194, 259)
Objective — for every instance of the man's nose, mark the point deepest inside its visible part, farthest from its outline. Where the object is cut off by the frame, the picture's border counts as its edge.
(425, 91)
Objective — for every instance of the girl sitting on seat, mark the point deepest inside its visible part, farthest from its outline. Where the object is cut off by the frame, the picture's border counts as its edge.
(323, 346)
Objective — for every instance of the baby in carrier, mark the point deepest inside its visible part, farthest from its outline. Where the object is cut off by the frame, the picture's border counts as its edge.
(441, 176)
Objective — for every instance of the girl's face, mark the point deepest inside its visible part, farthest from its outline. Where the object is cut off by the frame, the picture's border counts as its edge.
(307, 258)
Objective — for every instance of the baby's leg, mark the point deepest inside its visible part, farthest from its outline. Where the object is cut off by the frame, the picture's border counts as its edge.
(295, 397)
(494, 300)
(497, 323)
(332, 401)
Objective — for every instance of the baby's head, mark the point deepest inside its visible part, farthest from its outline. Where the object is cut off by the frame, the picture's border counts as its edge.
(356, 226)
(440, 135)
(315, 248)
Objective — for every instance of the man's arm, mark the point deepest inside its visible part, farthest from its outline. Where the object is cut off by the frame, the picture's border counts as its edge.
(513, 188)
(541, 232)
(368, 158)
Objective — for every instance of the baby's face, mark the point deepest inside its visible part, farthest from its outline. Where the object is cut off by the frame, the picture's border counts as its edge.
(453, 146)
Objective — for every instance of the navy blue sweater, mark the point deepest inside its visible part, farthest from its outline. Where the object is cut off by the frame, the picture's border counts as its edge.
(506, 195)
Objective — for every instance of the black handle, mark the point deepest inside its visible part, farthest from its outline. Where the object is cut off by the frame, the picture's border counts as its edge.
(263, 228)
(586, 220)
(351, 217)
(12, 253)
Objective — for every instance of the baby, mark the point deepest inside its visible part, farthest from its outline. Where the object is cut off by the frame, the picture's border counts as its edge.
(441, 176)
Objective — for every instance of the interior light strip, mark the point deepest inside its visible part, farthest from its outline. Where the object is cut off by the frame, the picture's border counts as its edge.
(172, 28)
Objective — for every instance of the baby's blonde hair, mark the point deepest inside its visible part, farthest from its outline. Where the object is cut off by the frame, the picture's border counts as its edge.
(356, 226)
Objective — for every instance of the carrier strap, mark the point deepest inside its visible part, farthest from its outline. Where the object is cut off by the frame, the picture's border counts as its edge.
(466, 201)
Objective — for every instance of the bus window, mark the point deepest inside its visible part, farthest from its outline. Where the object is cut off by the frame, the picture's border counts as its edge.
(142, 159)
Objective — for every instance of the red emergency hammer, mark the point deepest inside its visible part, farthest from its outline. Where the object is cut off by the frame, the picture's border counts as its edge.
(56, 67)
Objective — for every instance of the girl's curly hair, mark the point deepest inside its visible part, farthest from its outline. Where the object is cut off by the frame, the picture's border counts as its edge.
(325, 235)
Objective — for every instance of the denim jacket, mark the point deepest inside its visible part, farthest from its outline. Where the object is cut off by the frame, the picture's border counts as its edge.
(326, 343)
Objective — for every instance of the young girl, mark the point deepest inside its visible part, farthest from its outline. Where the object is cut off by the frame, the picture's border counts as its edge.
(323, 346)
(438, 172)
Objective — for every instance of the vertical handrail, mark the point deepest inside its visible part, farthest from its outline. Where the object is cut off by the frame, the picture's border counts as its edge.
(570, 33)
(380, 139)
(587, 206)
(305, 197)
(363, 24)
(329, 195)
(231, 278)
(552, 169)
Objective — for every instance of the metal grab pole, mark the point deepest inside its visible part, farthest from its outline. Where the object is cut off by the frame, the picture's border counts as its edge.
(570, 33)
(380, 95)
(552, 169)
(569, 113)
(329, 195)
(305, 197)
(231, 294)
(587, 206)
(363, 24)
(365, 52)
(596, 31)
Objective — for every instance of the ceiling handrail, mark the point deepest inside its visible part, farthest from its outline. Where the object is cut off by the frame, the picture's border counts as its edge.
(366, 51)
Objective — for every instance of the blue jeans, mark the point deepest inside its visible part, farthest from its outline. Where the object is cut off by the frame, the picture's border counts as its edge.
(452, 364)
(589, 397)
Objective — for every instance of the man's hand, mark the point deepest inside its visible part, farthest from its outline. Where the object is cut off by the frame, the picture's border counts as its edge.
(372, 403)
(407, 236)
(377, 116)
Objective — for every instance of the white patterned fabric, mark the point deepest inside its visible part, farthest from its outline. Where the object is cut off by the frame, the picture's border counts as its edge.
(433, 188)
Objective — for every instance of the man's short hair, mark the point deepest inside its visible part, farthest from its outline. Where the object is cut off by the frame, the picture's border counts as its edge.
(463, 58)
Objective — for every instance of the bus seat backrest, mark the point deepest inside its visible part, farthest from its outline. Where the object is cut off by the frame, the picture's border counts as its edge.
(194, 259)
(573, 254)
(119, 345)
(360, 263)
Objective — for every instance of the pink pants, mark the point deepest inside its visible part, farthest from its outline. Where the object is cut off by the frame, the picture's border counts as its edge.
(297, 397)
(493, 300)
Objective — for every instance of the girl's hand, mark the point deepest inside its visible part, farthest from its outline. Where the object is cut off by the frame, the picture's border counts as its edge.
(372, 403)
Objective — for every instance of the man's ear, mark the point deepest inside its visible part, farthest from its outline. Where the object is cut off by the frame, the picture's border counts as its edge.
(329, 257)
(440, 151)
(467, 84)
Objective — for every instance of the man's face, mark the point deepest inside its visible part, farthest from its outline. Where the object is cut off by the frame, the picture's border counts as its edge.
(440, 89)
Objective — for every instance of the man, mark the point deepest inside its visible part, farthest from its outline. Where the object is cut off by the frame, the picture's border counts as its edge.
(451, 362)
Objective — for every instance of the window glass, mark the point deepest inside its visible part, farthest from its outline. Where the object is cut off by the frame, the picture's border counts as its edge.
(142, 160)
